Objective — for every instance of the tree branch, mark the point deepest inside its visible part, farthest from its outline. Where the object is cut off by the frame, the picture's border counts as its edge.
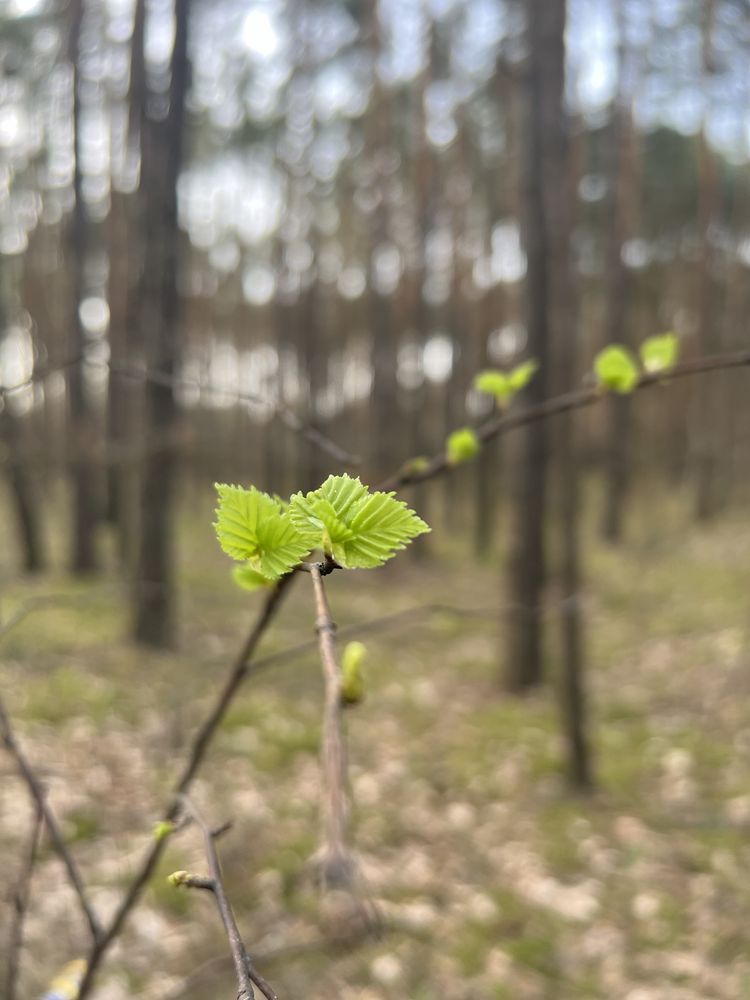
(246, 972)
(39, 796)
(501, 423)
(338, 866)
(139, 373)
(243, 665)
(20, 901)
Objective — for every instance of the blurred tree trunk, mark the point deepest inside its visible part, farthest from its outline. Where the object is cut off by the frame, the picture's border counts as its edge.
(83, 558)
(161, 158)
(125, 249)
(620, 186)
(707, 427)
(527, 562)
(23, 493)
(554, 216)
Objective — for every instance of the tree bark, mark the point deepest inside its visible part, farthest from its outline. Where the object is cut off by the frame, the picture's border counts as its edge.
(161, 158)
(83, 557)
(621, 188)
(527, 563)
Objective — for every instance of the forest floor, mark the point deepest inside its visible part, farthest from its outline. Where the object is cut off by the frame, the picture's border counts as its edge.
(492, 880)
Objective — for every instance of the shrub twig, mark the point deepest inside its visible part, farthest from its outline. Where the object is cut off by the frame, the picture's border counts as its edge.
(243, 665)
(38, 794)
(337, 861)
(247, 974)
(20, 902)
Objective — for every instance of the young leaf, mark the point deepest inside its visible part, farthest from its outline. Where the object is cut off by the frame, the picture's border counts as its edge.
(522, 374)
(359, 529)
(505, 386)
(495, 384)
(461, 446)
(252, 527)
(660, 352)
(248, 578)
(352, 676)
(163, 829)
(616, 369)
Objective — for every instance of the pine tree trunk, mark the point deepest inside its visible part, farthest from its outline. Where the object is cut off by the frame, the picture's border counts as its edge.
(161, 157)
(527, 563)
(83, 557)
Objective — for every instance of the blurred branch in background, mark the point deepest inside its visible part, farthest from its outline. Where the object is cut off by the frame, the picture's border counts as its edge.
(20, 901)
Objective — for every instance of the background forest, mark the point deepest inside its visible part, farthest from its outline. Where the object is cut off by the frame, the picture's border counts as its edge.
(265, 241)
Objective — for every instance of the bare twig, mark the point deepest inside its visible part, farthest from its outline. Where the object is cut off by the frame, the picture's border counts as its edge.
(243, 665)
(39, 796)
(139, 373)
(338, 867)
(247, 974)
(20, 902)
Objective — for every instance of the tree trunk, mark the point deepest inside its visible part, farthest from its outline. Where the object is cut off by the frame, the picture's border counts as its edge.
(125, 262)
(707, 425)
(22, 489)
(558, 188)
(161, 157)
(621, 186)
(527, 562)
(83, 556)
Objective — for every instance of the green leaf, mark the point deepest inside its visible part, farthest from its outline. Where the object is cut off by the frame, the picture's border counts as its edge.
(495, 384)
(163, 829)
(358, 528)
(461, 446)
(252, 527)
(616, 369)
(660, 352)
(504, 386)
(248, 578)
(522, 374)
(352, 675)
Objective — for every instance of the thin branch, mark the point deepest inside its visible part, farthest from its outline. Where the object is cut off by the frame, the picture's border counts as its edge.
(38, 793)
(501, 423)
(285, 414)
(337, 862)
(246, 972)
(20, 901)
(243, 665)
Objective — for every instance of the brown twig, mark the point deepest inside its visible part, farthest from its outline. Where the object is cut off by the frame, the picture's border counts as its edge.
(243, 665)
(20, 901)
(247, 974)
(501, 423)
(337, 867)
(285, 414)
(39, 796)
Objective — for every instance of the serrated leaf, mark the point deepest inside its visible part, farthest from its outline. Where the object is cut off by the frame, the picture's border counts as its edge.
(660, 352)
(252, 527)
(358, 528)
(248, 578)
(461, 446)
(616, 369)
